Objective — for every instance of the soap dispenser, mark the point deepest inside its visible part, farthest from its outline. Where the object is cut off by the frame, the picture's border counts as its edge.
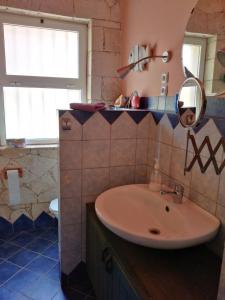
(155, 181)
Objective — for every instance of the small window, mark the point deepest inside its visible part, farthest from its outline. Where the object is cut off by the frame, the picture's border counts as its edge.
(42, 69)
(194, 51)
(33, 51)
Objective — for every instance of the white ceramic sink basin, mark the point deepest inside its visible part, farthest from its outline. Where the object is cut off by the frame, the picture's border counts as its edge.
(146, 218)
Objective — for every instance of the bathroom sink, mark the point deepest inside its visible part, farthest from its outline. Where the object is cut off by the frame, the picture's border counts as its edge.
(147, 218)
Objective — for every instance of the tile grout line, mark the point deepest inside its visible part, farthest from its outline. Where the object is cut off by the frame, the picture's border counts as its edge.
(21, 268)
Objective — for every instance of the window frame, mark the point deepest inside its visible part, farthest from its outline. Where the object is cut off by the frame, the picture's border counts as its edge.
(38, 81)
(199, 41)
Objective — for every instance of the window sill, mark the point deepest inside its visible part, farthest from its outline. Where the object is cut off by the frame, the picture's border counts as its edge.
(46, 146)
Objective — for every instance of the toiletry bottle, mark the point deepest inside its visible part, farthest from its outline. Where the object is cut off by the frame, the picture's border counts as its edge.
(155, 181)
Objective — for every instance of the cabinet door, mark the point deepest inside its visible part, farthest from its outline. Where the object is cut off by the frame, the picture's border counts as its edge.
(121, 288)
(99, 262)
(105, 273)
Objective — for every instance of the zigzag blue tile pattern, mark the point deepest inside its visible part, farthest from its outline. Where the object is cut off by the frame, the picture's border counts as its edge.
(24, 223)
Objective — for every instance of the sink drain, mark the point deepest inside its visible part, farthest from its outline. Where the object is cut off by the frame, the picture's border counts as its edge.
(154, 231)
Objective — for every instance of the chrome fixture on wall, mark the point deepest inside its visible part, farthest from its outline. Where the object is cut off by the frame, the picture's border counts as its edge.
(141, 57)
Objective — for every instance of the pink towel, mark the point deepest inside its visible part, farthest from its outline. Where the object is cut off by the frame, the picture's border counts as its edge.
(92, 107)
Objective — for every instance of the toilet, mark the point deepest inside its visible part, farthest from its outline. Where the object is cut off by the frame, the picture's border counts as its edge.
(54, 207)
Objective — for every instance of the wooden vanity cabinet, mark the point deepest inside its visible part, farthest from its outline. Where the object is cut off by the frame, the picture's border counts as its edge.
(120, 270)
(106, 275)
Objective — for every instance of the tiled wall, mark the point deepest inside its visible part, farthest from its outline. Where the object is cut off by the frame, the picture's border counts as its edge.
(207, 190)
(114, 148)
(103, 151)
(39, 184)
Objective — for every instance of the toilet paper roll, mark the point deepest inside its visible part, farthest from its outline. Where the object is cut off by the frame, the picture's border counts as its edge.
(13, 187)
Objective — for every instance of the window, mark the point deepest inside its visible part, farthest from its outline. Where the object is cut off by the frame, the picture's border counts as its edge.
(194, 50)
(42, 69)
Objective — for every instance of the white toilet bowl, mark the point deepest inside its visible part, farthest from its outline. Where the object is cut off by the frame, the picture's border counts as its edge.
(54, 207)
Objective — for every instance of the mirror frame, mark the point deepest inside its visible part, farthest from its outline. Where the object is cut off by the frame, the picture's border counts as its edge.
(203, 99)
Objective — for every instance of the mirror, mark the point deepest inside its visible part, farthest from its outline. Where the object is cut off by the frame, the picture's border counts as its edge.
(204, 43)
(191, 102)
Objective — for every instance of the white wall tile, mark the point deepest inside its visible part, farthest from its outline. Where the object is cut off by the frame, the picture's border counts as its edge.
(96, 153)
(122, 175)
(96, 128)
(70, 155)
(124, 128)
(95, 181)
(142, 151)
(123, 152)
(70, 183)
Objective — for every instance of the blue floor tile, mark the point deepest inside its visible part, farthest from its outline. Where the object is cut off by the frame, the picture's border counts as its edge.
(37, 251)
(21, 281)
(41, 265)
(43, 289)
(52, 252)
(10, 295)
(22, 239)
(37, 232)
(8, 237)
(39, 245)
(7, 270)
(7, 250)
(54, 273)
(23, 257)
(51, 234)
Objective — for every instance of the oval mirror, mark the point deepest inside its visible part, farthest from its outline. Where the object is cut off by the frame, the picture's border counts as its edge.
(203, 52)
(191, 102)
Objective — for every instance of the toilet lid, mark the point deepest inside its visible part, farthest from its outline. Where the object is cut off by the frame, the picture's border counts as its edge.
(54, 205)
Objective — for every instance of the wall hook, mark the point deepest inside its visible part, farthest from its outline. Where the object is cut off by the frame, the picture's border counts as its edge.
(66, 124)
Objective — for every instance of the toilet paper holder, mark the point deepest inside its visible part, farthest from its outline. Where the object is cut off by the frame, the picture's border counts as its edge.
(5, 170)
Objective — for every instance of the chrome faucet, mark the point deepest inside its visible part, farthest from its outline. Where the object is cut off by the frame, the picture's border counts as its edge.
(177, 193)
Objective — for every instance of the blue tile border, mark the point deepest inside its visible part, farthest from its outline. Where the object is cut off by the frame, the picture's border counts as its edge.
(201, 125)
(6, 228)
(215, 110)
(111, 115)
(215, 107)
(137, 116)
(174, 120)
(220, 124)
(44, 220)
(23, 223)
(81, 116)
(157, 116)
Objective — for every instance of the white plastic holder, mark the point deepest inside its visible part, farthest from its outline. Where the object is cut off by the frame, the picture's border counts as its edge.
(138, 52)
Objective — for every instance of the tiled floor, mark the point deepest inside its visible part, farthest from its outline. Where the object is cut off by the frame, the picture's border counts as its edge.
(29, 269)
